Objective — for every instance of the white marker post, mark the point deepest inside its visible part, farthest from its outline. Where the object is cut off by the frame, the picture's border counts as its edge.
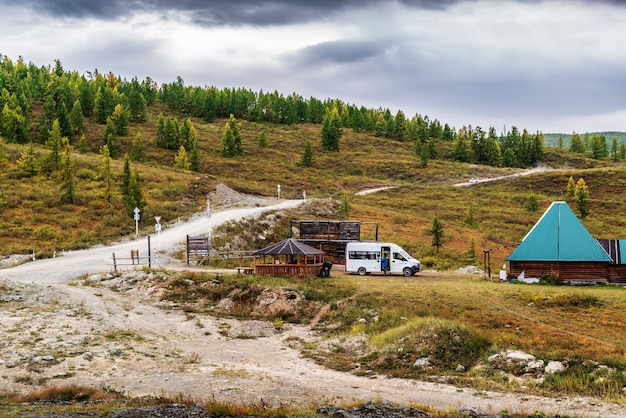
(137, 218)
(303, 194)
(278, 190)
(157, 229)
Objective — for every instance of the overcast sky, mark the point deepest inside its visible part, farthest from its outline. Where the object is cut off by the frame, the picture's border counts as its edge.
(540, 65)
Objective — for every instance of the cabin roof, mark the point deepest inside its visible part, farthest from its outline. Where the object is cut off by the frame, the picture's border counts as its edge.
(559, 236)
(289, 246)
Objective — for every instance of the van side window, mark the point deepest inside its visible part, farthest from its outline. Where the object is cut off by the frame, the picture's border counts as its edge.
(398, 256)
(363, 255)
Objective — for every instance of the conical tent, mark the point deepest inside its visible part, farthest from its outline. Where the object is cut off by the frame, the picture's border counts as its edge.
(559, 236)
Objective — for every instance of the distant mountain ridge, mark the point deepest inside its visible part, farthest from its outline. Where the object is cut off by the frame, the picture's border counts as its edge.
(552, 139)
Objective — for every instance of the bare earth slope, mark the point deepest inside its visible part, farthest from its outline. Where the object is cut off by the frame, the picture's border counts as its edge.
(112, 331)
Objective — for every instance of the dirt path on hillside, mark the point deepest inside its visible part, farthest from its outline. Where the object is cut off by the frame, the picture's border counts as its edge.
(115, 332)
(528, 172)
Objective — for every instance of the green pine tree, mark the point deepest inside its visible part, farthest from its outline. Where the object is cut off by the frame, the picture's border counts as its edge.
(105, 173)
(532, 204)
(181, 160)
(331, 129)
(67, 188)
(134, 199)
(28, 163)
(470, 221)
(307, 156)
(138, 149)
(437, 232)
(82, 145)
(52, 162)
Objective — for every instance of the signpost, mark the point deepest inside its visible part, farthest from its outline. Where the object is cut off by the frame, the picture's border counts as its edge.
(137, 218)
(278, 189)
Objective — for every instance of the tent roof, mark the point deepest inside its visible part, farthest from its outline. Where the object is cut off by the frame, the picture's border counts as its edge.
(289, 246)
(559, 236)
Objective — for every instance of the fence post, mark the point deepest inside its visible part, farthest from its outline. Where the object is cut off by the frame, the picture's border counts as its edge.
(114, 263)
(149, 254)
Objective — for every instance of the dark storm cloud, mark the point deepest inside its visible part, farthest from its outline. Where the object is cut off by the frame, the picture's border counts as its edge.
(218, 12)
(336, 52)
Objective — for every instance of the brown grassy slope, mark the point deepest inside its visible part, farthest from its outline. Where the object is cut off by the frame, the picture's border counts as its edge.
(33, 218)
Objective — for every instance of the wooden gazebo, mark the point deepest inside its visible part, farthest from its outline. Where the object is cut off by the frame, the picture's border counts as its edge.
(288, 258)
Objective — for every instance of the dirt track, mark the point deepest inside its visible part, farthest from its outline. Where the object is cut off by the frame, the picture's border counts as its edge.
(142, 347)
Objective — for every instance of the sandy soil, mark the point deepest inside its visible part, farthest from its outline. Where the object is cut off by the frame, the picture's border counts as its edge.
(116, 333)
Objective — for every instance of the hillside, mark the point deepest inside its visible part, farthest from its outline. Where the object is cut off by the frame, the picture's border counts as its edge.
(33, 217)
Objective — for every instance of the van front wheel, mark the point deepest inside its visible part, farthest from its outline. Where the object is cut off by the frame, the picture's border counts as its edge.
(362, 271)
(407, 272)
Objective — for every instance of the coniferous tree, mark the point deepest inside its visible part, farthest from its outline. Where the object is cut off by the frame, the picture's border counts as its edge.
(67, 187)
(138, 109)
(576, 144)
(461, 151)
(64, 120)
(571, 188)
(160, 131)
(76, 118)
(28, 164)
(622, 152)
(234, 126)
(228, 142)
(13, 125)
(437, 232)
(263, 139)
(181, 160)
(560, 143)
(509, 159)
(331, 129)
(614, 154)
(307, 156)
(582, 196)
(470, 221)
(120, 120)
(105, 173)
(87, 96)
(82, 145)
(53, 161)
(134, 199)
(126, 174)
(194, 156)
(110, 137)
(138, 149)
(532, 204)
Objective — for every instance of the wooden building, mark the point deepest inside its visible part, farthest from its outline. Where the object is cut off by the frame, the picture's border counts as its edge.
(330, 236)
(559, 245)
(289, 258)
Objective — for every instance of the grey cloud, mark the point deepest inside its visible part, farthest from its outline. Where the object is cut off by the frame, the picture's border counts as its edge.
(336, 52)
(218, 12)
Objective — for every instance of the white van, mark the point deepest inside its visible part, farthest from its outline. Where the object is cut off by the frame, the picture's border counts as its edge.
(367, 257)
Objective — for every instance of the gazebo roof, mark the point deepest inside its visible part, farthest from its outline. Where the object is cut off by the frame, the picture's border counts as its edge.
(289, 246)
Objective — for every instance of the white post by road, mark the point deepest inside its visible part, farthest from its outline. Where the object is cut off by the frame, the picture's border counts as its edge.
(278, 189)
(137, 218)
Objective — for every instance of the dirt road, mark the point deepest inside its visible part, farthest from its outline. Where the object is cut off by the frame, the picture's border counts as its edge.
(115, 332)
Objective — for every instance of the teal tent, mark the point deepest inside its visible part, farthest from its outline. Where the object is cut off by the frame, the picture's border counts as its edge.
(559, 236)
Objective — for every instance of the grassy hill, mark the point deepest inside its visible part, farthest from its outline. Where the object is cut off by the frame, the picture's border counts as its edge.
(33, 219)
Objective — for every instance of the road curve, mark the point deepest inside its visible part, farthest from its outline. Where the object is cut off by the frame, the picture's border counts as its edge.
(99, 259)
